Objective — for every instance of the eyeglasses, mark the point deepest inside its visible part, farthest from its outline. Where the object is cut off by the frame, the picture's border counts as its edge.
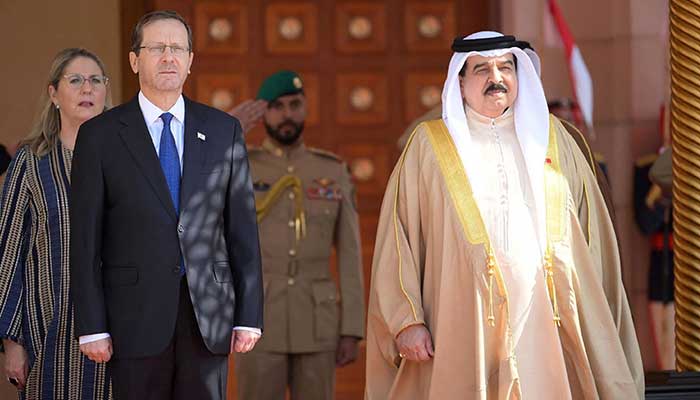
(159, 50)
(76, 81)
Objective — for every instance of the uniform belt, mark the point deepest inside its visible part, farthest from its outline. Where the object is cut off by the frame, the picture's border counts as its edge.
(657, 241)
(304, 273)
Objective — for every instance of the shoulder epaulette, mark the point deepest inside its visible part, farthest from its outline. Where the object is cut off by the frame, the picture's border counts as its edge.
(645, 160)
(326, 154)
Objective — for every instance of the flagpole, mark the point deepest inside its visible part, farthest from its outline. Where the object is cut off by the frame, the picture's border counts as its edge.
(581, 83)
(685, 130)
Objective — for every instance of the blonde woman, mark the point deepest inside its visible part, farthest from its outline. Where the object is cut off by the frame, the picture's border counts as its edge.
(43, 358)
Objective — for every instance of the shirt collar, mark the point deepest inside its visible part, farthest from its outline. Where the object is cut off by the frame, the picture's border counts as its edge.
(152, 113)
(289, 152)
(474, 117)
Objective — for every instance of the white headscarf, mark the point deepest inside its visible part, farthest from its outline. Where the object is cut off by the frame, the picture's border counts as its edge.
(530, 112)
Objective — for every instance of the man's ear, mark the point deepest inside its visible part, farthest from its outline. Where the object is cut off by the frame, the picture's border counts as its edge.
(134, 62)
(189, 66)
(461, 89)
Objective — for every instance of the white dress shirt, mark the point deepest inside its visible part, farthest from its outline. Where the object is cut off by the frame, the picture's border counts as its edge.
(505, 200)
(151, 115)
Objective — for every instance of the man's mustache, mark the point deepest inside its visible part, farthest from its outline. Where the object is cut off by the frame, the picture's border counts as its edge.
(496, 87)
(287, 123)
(167, 68)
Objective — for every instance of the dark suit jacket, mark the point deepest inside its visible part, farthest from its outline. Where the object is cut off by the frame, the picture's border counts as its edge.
(127, 242)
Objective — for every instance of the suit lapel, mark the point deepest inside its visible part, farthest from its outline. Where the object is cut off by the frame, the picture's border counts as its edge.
(193, 156)
(138, 140)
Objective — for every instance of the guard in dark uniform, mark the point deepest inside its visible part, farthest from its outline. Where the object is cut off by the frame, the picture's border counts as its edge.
(653, 216)
(306, 207)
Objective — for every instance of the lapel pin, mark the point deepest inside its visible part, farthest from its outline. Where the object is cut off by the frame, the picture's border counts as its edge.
(201, 136)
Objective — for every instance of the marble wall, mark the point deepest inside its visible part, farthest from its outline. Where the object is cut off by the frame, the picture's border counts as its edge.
(33, 32)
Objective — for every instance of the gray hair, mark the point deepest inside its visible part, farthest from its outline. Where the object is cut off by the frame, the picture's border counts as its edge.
(137, 34)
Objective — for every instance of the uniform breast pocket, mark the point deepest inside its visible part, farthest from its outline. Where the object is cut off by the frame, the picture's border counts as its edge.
(322, 215)
(325, 298)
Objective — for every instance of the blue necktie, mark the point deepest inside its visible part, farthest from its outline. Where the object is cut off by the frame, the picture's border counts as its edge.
(170, 160)
(170, 163)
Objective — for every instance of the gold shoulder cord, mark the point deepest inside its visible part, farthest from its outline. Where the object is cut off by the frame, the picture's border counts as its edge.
(262, 207)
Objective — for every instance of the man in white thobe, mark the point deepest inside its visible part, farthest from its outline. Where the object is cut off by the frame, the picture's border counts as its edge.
(496, 272)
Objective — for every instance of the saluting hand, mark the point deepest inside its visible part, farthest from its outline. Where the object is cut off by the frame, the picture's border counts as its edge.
(243, 341)
(249, 113)
(98, 351)
(415, 343)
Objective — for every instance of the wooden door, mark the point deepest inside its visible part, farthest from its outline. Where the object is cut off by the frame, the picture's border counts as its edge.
(370, 67)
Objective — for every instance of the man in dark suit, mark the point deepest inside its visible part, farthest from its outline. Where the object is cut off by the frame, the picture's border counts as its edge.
(165, 259)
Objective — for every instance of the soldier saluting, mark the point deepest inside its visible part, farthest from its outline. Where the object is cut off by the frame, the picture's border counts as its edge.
(305, 205)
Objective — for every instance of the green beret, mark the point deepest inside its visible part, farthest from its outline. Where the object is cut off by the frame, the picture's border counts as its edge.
(279, 84)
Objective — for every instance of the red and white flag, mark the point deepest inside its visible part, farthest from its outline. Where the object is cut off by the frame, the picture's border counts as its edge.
(578, 72)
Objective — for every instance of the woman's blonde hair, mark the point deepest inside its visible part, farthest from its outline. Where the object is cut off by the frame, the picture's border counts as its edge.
(44, 134)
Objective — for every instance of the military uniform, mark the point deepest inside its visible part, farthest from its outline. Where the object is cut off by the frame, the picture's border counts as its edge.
(654, 218)
(305, 201)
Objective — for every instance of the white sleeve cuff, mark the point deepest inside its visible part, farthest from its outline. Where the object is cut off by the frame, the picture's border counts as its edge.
(245, 328)
(93, 338)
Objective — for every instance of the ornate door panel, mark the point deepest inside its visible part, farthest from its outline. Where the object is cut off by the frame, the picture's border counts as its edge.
(369, 68)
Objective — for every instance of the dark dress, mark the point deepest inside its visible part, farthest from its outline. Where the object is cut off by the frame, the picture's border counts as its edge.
(35, 303)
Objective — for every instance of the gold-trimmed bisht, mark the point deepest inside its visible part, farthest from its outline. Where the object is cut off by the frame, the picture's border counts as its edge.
(460, 191)
(556, 197)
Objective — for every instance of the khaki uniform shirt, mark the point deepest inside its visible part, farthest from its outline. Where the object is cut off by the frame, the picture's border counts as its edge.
(303, 310)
